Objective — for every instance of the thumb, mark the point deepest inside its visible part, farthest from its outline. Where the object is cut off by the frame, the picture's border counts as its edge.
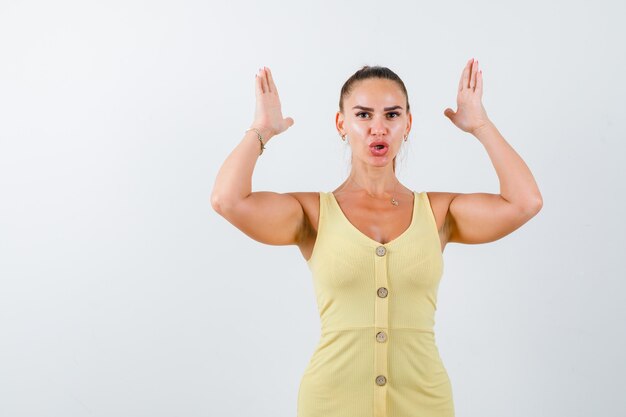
(449, 113)
(289, 121)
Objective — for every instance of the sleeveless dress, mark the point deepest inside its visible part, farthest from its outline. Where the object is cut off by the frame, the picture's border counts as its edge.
(377, 355)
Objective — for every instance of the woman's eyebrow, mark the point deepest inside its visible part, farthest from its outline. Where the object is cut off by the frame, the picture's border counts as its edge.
(371, 109)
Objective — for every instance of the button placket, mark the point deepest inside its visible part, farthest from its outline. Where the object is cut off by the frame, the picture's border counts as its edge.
(381, 326)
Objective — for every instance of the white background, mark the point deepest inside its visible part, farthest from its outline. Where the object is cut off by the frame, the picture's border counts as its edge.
(122, 293)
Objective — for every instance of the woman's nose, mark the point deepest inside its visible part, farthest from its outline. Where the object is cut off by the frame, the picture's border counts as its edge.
(378, 125)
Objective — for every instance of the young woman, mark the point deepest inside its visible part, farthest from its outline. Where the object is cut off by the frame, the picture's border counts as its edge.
(373, 245)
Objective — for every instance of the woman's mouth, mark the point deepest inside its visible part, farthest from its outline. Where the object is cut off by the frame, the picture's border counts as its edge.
(379, 150)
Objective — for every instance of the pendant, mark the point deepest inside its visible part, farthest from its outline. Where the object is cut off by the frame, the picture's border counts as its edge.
(393, 201)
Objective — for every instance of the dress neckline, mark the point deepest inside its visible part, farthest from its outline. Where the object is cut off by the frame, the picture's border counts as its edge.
(366, 237)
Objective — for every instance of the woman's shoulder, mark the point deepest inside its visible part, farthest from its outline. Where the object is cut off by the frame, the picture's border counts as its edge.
(305, 197)
(310, 202)
(439, 204)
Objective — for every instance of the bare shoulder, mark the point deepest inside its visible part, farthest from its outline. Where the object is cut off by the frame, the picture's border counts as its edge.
(310, 202)
(439, 203)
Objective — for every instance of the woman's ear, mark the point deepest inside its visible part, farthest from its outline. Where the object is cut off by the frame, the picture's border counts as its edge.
(409, 122)
(339, 122)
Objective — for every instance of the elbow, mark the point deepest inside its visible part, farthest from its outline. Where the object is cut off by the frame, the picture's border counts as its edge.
(222, 204)
(538, 204)
(215, 207)
(535, 207)
(216, 203)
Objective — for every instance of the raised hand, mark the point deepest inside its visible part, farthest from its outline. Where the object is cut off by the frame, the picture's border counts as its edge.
(470, 114)
(268, 114)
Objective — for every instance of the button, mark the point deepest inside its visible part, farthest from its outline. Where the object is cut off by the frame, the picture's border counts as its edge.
(381, 336)
(381, 251)
(381, 380)
(382, 292)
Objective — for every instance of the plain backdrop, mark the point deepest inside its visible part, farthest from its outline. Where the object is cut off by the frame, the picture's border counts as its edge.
(122, 293)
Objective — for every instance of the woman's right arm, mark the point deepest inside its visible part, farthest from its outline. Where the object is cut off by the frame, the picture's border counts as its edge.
(268, 217)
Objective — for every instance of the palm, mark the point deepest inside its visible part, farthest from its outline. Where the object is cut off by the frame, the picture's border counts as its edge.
(268, 111)
(470, 113)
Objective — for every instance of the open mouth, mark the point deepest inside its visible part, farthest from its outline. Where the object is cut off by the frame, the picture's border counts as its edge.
(379, 149)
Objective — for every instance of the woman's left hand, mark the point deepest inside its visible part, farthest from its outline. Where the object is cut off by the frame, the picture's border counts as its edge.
(470, 115)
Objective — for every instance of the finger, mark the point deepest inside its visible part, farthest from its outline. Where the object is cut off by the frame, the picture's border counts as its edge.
(266, 86)
(473, 76)
(271, 81)
(466, 72)
(258, 90)
(263, 81)
(266, 81)
(259, 80)
(479, 83)
(463, 72)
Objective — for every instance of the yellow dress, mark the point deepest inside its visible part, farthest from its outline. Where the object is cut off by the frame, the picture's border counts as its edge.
(377, 355)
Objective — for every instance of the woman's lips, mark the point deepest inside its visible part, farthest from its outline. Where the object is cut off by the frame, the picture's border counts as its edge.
(378, 152)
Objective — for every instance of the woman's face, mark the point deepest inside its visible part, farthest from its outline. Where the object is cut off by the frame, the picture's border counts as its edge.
(375, 111)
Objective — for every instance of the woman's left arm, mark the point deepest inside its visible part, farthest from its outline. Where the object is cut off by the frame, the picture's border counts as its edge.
(484, 217)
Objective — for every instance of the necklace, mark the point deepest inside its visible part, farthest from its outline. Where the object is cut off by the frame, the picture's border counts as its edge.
(393, 200)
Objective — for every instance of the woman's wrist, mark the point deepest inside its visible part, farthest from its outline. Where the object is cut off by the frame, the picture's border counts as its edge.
(265, 132)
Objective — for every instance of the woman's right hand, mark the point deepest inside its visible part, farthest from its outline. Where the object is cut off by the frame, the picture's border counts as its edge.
(268, 114)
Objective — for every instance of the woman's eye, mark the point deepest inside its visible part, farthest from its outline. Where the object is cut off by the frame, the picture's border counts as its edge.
(394, 113)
